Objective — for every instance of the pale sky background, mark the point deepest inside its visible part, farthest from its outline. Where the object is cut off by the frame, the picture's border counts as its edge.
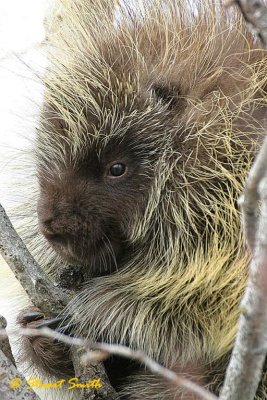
(21, 36)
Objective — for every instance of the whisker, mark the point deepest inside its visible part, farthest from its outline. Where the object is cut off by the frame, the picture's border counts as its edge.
(112, 252)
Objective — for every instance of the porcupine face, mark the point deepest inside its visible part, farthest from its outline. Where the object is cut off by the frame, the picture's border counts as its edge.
(92, 195)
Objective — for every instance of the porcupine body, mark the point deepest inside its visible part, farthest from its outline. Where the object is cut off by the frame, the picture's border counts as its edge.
(153, 113)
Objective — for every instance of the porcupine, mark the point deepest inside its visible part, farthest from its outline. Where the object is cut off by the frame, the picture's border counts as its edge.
(152, 116)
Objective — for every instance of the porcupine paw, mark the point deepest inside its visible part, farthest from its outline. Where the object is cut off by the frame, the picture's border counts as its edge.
(47, 355)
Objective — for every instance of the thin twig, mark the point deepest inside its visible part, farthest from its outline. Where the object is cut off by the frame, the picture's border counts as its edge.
(100, 351)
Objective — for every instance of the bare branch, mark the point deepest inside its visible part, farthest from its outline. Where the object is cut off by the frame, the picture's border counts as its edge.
(249, 200)
(4, 342)
(100, 351)
(40, 289)
(245, 368)
(255, 13)
(152, 365)
(85, 373)
(13, 385)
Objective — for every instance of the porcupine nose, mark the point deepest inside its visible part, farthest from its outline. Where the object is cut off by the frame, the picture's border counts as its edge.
(64, 239)
(60, 222)
(60, 225)
(50, 221)
(52, 233)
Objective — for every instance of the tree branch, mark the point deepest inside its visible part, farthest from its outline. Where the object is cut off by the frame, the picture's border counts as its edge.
(4, 342)
(13, 385)
(95, 352)
(249, 353)
(36, 283)
(249, 201)
(245, 368)
(255, 13)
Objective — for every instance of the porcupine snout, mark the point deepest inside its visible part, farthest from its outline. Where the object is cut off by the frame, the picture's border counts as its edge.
(70, 222)
(79, 222)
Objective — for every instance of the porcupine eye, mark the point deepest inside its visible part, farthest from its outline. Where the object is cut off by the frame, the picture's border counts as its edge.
(117, 170)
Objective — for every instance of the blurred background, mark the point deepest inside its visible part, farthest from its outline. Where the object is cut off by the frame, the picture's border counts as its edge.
(21, 67)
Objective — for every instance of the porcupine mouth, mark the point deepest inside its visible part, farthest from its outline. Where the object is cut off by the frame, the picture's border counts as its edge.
(98, 258)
